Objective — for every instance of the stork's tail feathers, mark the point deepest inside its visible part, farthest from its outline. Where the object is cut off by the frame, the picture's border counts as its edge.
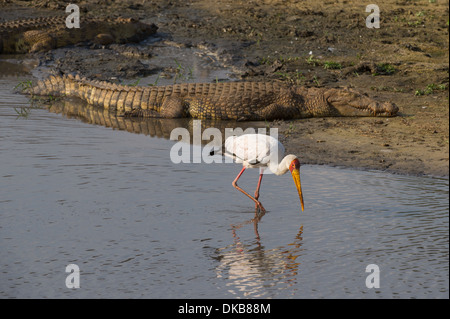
(222, 151)
(216, 150)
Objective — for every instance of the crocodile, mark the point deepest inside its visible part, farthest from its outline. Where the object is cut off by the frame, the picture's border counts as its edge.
(244, 101)
(46, 33)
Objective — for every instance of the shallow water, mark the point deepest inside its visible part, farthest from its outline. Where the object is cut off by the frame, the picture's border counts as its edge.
(94, 194)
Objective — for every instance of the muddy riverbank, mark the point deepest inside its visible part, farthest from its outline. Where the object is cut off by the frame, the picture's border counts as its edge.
(309, 43)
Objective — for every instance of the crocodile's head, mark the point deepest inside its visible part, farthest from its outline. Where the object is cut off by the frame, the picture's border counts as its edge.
(135, 31)
(145, 29)
(347, 102)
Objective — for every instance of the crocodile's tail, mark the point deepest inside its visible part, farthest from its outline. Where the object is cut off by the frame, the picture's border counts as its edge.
(99, 93)
(66, 85)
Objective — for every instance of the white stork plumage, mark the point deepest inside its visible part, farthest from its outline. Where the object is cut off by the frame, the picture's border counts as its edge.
(263, 151)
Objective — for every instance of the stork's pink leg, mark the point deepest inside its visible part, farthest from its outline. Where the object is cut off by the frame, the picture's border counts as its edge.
(235, 185)
(258, 186)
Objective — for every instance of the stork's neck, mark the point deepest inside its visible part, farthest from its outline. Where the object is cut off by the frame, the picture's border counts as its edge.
(282, 167)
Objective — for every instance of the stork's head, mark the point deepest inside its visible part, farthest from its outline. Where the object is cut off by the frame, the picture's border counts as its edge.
(294, 168)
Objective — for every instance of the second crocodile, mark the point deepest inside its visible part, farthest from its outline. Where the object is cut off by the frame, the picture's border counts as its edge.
(42, 34)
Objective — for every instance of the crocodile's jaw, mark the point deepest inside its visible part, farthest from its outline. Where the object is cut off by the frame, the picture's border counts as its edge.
(386, 109)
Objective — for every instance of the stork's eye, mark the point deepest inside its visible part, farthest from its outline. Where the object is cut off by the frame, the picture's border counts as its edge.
(295, 164)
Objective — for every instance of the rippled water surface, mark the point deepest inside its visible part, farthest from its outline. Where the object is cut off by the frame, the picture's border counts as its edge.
(139, 226)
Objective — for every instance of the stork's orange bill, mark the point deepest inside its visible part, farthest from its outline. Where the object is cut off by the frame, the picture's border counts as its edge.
(296, 176)
(295, 171)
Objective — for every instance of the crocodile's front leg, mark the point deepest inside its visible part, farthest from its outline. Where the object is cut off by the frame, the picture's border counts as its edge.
(283, 110)
(172, 107)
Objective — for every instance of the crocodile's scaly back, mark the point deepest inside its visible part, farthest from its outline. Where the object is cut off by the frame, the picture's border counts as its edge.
(225, 101)
(228, 100)
(39, 34)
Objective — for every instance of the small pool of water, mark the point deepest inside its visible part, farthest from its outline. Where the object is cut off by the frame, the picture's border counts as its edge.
(102, 193)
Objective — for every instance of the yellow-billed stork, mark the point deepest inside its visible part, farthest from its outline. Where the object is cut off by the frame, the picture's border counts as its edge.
(263, 151)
